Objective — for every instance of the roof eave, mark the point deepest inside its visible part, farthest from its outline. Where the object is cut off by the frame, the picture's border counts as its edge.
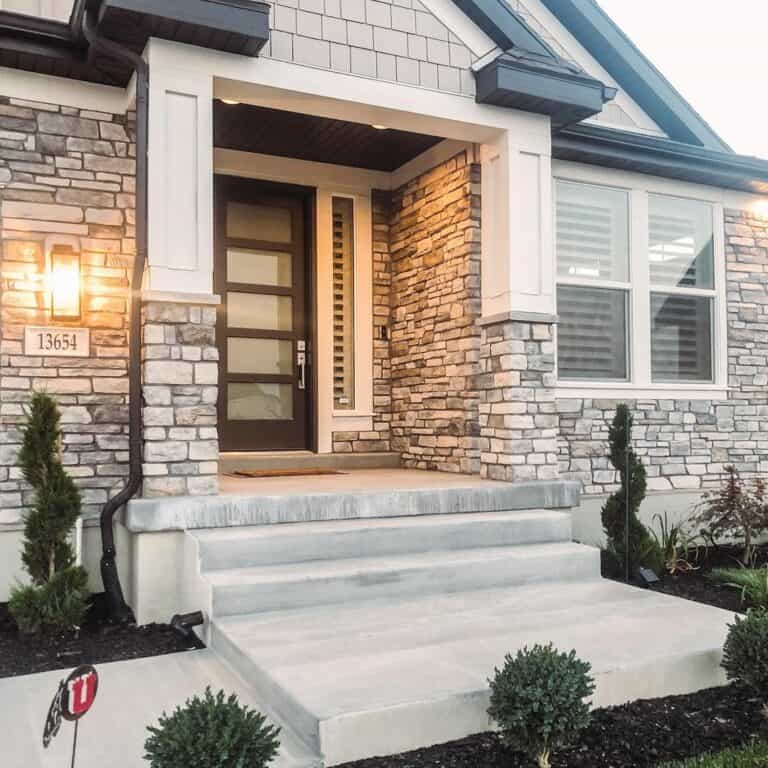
(655, 156)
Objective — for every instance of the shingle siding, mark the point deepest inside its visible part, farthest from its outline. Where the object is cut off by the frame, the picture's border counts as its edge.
(393, 40)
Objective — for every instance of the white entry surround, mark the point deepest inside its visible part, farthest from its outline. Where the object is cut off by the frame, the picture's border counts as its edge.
(514, 148)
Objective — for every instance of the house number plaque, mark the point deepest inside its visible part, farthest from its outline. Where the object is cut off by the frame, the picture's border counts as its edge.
(57, 342)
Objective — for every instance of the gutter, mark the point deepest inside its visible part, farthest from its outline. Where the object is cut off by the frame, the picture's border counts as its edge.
(119, 610)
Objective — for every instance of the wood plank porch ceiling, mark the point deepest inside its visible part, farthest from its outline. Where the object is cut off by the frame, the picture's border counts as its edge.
(306, 137)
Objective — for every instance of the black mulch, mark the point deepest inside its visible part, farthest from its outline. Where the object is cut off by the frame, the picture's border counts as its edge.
(637, 735)
(697, 586)
(97, 642)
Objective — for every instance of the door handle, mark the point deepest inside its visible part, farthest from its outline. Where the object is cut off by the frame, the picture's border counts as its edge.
(301, 362)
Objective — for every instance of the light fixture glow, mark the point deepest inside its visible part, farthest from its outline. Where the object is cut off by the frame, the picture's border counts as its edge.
(379, 127)
(65, 283)
(760, 208)
(231, 102)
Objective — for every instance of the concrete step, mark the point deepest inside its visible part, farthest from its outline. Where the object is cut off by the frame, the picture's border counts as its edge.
(280, 460)
(383, 676)
(298, 585)
(228, 548)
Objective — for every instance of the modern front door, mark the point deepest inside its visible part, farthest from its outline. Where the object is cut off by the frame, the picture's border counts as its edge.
(263, 328)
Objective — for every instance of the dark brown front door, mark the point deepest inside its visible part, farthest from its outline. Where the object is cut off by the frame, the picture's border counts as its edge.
(261, 274)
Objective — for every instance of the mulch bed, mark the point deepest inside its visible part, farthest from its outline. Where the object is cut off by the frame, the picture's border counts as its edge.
(697, 586)
(637, 735)
(97, 642)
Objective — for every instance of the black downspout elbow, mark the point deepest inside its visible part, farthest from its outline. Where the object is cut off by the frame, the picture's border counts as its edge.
(119, 610)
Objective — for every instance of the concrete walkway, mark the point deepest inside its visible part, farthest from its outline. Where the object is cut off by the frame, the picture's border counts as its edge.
(132, 695)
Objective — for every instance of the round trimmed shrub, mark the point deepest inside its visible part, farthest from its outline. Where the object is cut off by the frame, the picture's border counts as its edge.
(539, 700)
(745, 654)
(212, 732)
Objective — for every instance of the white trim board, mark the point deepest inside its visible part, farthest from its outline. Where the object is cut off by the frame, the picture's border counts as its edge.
(61, 91)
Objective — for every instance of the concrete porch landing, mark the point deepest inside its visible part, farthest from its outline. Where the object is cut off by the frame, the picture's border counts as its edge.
(356, 494)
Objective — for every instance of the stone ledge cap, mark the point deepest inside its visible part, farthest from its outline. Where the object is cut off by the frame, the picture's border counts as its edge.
(179, 297)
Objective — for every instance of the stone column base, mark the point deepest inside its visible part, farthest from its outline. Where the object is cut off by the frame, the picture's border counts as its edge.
(518, 419)
(180, 372)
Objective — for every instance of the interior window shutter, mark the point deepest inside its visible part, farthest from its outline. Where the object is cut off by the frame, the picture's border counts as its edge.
(343, 303)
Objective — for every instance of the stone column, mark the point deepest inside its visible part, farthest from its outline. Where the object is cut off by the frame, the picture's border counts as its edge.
(518, 419)
(180, 372)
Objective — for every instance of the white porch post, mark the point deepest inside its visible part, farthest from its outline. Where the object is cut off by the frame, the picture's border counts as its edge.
(518, 422)
(179, 353)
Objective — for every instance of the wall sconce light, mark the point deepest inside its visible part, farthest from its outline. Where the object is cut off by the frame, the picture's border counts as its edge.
(66, 285)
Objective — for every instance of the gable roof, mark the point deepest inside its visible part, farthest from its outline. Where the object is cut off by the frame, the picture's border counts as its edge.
(614, 51)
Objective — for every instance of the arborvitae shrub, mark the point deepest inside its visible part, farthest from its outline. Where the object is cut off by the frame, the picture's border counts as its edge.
(539, 700)
(58, 592)
(643, 548)
(212, 732)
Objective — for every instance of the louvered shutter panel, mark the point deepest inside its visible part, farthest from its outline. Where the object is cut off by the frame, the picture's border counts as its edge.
(681, 243)
(681, 337)
(343, 303)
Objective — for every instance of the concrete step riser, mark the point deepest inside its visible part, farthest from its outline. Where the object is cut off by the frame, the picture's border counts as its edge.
(282, 708)
(435, 578)
(246, 552)
(412, 726)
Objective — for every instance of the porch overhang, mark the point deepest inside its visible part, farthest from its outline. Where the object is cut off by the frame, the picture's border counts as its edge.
(542, 84)
(612, 148)
(56, 48)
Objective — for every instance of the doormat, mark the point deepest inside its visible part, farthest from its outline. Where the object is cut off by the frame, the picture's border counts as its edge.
(255, 473)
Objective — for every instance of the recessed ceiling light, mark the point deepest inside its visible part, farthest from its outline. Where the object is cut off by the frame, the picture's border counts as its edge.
(229, 101)
(379, 127)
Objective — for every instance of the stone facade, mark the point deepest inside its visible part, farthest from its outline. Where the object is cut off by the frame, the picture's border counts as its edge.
(518, 420)
(435, 337)
(66, 175)
(396, 40)
(378, 440)
(685, 443)
(180, 372)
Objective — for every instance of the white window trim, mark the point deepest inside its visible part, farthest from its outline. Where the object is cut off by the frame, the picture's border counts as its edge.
(640, 384)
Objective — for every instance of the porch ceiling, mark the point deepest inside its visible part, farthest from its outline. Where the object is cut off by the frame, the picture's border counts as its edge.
(319, 139)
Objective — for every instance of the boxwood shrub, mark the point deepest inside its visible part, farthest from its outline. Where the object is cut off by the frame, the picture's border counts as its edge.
(539, 700)
(212, 732)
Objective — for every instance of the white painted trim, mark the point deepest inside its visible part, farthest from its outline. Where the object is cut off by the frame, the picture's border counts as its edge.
(178, 297)
(447, 12)
(612, 391)
(180, 185)
(639, 188)
(283, 85)
(47, 89)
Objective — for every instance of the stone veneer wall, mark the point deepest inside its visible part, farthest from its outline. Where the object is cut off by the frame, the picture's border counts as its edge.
(435, 338)
(66, 172)
(180, 386)
(685, 443)
(378, 440)
(518, 419)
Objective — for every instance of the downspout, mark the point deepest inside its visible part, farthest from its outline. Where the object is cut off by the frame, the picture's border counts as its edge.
(119, 610)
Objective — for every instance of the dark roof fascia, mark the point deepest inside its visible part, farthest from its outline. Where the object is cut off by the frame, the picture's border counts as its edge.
(554, 88)
(231, 17)
(599, 34)
(503, 26)
(660, 157)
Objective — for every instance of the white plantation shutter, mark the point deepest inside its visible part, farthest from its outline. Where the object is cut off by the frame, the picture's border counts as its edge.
(681, 242)
(681, 337)
(592, 233)
(343, 303)
(592, 229)
(592, 333)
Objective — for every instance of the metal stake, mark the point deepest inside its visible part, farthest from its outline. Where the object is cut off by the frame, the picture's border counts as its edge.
(627, 499)
(74, 744)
